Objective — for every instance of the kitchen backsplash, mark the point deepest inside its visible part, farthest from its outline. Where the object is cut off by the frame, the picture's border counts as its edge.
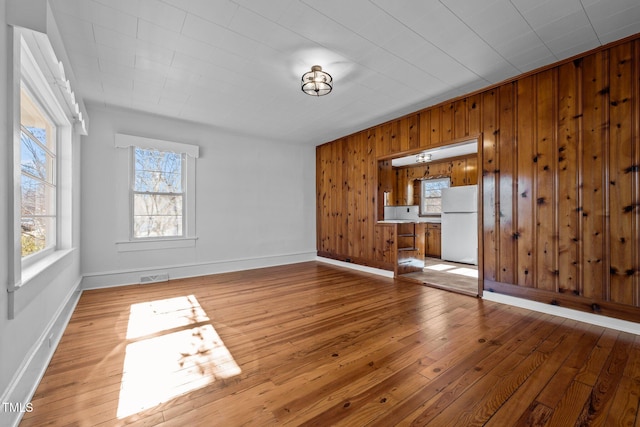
(401, 212)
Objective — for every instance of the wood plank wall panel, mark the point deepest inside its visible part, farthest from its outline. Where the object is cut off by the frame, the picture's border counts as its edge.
(490, 175)
(595, 180)
(436, 126)
(569, 171)
(560, 153)
(621, 208)
(546, 161)
(460, 119)
(506, 144)
(526, 190)
(635, 118)
(447, 126)
(355, 203)
(409, 133)
(322, 197)
(473, 115)
(371, 197)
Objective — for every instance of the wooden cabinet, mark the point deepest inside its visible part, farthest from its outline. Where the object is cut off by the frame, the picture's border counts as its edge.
(464, 171)
(472, 171)
(433, 240)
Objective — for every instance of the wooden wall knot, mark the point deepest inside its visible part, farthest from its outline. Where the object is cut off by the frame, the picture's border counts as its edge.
(632, 168)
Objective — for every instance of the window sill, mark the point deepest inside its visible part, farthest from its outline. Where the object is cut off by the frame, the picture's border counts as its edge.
(40, 267)
(148, 245)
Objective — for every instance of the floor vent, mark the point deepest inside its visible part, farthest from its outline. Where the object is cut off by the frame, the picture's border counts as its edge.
(154, 278)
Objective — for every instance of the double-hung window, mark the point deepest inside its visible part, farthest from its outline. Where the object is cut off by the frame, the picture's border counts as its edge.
(38, 162)
(46, 121)
(156, 197)
(157, 193)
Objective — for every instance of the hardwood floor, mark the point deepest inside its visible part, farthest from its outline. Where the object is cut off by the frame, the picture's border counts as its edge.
(447, 275)
(313, 344)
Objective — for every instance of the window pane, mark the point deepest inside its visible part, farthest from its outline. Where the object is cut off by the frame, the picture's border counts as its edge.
(38, 198)
(36, 234)
(158, 171)
(157, 226)
(157, 204)
(157, 215)
(37, 122)
(433, 206)
(34, 159)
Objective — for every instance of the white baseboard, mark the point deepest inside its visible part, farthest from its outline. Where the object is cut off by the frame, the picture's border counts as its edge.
(24, 383)
(363, 268)
(593, 319)
(111, 279)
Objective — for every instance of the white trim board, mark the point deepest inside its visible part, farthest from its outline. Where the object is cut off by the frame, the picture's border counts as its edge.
(363, 268)
(581, 316)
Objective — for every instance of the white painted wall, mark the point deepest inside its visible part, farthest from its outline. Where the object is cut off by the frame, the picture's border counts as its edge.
(255, 201)
(5, 189)
(44, 302)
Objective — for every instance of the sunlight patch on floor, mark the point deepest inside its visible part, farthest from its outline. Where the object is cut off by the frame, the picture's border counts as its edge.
(440, 267)
(156, 316)
(469, 272)
(167, 357)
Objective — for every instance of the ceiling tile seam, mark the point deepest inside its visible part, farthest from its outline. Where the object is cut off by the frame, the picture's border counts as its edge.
(489, 45)
(93, 24)
(183, 35)
(534, 31)
(380, 47)
(590, 23)
(432, 44)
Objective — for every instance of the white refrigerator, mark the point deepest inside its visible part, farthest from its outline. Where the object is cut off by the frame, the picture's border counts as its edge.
(460, 224)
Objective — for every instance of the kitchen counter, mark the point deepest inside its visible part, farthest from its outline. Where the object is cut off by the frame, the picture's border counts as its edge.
(405, 221)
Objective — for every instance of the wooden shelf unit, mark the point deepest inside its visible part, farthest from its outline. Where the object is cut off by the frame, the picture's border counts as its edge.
(408, 257)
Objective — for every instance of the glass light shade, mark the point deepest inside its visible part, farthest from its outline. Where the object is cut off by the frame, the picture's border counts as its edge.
(317, 82)
(423, 158)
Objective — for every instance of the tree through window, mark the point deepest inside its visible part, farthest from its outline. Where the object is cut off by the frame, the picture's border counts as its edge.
(38, 177)
(158, 193)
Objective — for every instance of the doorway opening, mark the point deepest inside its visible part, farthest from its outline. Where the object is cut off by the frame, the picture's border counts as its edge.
(446, 255)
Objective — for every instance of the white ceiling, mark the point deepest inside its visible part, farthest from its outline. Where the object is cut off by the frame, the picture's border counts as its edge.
(237, 64)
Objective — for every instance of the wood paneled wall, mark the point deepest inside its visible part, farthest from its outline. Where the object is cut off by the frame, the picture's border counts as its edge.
(559, 172)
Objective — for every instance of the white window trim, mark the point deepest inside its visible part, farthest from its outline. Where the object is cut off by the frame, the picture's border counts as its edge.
(125, 242)
(34, 63)
(39, 89)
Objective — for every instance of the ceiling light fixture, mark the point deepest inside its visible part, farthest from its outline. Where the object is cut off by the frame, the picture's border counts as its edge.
(317, 82)
(423, 158)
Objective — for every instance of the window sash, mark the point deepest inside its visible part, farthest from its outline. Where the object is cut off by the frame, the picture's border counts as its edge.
(157, 219)
(38, 172)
